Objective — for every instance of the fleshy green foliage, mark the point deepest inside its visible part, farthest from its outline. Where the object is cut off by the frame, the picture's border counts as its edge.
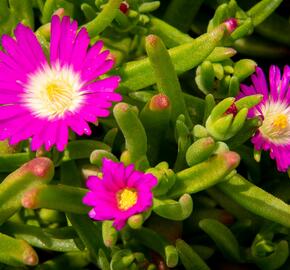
(180, 71)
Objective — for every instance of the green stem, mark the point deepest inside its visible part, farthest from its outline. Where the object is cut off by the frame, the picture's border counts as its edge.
(16, 252)
(82, 149)
(200, 150)
(257, 47)
(97, 157)
(50, 239)
(89, 12)
(223, 237)
(11, 162)
(83, 225)
(57, 197)
(166, 77)
(170, 35)
(211, 172)
(189, 258)
(230, 205)
(47, 10)
(249, 128)
(155, 117)
(180, 13)
(32, 174)
(195, 107)
(104, 18)
(70, 174)
(174, 210)
(262, 10)
(109, 233)
(134, 133)
(274, 28)
(256, 200)
(22, 11)
(69, 260)
(139, 74)
(86, 228)
(154, 241)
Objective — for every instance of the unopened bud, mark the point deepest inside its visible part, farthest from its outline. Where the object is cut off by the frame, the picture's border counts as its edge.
(124, 7)
(59, 12)
(112, 56)
(232, 159)
(136, 221)
(159, 102)
(232, 110)
(30, 257)
(41, 167)
(231, 24)
(29, 199)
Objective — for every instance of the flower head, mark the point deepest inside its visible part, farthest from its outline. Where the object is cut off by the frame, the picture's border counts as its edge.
(274, 134)
(42, 99)
(120, 193)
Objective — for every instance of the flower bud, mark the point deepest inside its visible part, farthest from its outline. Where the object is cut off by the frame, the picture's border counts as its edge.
(231, 24)
(226, 119)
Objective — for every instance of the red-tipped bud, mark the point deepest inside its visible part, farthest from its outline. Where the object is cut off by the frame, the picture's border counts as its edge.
(29, 199)
(151, 39)
(59, 12)
(232, 159)
(30, 257)
(136, 221)
(231, 24)
(124, 7)
(232, 110)
(41, 167)
(112, 57)
(159, 102)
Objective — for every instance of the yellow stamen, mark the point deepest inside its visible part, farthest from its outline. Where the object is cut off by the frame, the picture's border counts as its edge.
(280, 121)
(58, 89)
(59, 95)
(126, 198)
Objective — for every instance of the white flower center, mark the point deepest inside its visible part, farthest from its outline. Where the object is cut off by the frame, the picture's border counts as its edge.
(276, 124)
(53, 91)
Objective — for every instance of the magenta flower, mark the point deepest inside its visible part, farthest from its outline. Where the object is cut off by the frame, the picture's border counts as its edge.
(231, 24)
(120, 193)
(274, 134)
(42, 99)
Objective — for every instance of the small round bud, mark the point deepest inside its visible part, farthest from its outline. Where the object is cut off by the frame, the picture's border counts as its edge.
(231, 24)
(29, 199)
(59, 12)
(159, 102)
(30, 257)
(124, 7)
(232, 159)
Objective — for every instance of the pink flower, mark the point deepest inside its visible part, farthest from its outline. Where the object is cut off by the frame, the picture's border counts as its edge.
(274, 134)
(231, 24)
(119, 194)
(42, 98)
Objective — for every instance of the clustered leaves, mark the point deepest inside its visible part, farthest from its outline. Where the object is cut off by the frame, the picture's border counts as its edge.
(214, 206)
